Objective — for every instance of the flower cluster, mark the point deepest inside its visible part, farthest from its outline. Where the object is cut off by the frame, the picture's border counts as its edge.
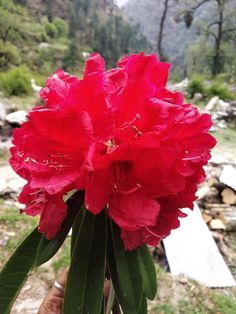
(123, 137)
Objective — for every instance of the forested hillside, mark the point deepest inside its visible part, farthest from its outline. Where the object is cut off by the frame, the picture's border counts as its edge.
(41, 36)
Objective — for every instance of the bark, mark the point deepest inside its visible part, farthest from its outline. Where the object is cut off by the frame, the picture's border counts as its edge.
(161, 32)
(217, 64)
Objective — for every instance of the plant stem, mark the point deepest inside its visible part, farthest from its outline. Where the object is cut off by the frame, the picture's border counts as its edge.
(111, 299)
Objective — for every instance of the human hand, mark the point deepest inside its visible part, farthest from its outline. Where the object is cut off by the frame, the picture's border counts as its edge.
(53, 302)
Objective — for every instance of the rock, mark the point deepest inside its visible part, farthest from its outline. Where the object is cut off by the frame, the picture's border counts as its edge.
(15, 185)
(217, 159)
(183, 280)
(216, 224)
(44, 45)
(213, 129)
(228, 176)
(228, 196)
(197, 97)
(2, 111)
(4, 240)
(3, 187)
(19, 205)
(85, 54)
(181, 86)
(222, 125)
(212, 104)
(10, 233)
(17, 117)
(223, 104)
(5, 145)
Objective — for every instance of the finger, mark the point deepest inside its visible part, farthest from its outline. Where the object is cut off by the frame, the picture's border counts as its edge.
(62, 282)
(52, 304)
(106, 288)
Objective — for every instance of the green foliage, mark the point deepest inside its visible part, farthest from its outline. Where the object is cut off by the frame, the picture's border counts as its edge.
(51, 30)
(68, 28)
(116, 38)
(219, 89)
(61, 26)
(63, 258)
(164, 308)
(196, 85)
(224, 304)
(87, 268)
(16, 82)
(8, 23)
(9, 54)
(72, 56)
(15, 272)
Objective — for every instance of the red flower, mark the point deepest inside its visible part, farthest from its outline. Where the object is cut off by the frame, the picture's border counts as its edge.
(51, 208)
(133, 145)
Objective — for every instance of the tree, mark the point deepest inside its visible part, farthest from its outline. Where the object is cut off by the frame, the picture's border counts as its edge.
(161, 32)
(219, 29)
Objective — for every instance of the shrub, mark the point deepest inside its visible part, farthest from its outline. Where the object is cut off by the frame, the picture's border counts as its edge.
(61, 26)
(50, 30)
(219, 89)
(9, 55)
(196, 85)
(16, 82)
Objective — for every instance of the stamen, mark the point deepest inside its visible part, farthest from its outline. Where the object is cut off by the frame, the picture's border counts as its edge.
(126, 192)
(120, 178)
(169, 100)
(191, 158)
(153, 233)
(37, 192)
(127, 124)
(57, 161)
(137, 132)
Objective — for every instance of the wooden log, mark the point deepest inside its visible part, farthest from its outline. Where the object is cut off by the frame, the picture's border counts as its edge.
(228, 196)
(216, 224)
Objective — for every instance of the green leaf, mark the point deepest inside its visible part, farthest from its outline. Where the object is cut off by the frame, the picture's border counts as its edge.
(143, 306)
(15, 272)
(148, 272)
(125, 273)
(76, 228)
(84, 289)
(48, 248)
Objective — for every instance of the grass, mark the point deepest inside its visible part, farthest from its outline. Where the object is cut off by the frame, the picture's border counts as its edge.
(164, 308)
(63, 257)
(4, 157)
(224, 304)
(175, 297)
(16, 224)
(226, 141)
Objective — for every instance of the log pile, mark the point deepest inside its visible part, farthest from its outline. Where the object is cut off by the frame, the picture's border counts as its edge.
(217, 201)
(217, 197)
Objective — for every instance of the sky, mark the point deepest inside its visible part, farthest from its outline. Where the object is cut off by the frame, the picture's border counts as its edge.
(121, 2)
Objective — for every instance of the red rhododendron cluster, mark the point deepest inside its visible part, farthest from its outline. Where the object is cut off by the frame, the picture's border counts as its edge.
(120, 135)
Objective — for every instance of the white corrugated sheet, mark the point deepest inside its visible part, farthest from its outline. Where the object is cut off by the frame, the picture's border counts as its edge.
(192, 251)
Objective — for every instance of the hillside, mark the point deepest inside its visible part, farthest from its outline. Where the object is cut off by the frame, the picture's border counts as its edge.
(44, 35)
(185, 46)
